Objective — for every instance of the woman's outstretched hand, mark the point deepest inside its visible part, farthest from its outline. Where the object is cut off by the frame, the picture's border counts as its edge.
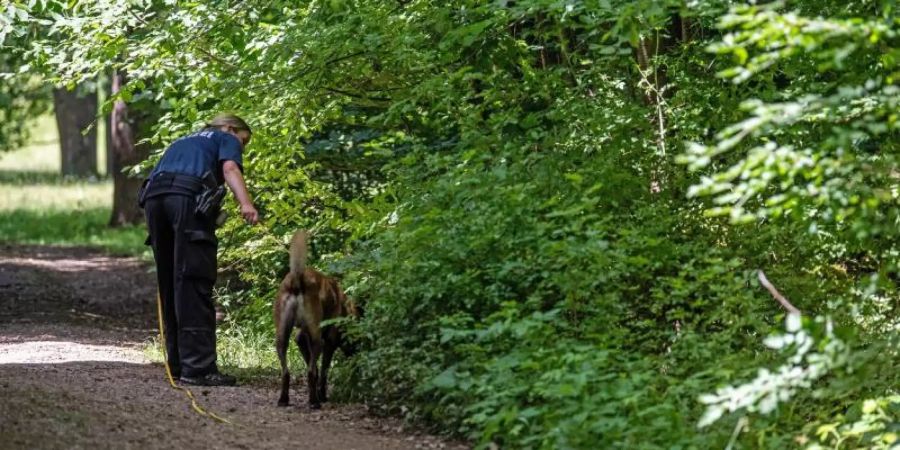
(235, 181)
(249, 213)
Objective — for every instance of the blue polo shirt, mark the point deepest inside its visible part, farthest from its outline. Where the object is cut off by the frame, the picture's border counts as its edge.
(196, 153)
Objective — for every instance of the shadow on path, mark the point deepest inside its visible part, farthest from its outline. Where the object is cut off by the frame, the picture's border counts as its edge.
(72, 375)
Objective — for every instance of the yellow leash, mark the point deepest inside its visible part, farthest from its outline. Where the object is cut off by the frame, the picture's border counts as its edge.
(190, 395)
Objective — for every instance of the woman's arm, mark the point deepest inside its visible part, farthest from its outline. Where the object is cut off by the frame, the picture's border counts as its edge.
(235, 181)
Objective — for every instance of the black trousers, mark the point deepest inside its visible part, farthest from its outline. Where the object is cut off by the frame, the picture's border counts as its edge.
(184, 247)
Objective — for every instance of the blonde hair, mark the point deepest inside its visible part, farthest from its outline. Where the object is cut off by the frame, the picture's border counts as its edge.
(229, 120)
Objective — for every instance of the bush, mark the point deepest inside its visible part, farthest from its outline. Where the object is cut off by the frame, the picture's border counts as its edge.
(496, 182)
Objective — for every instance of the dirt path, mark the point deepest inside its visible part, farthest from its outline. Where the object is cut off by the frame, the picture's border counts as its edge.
(72, 375)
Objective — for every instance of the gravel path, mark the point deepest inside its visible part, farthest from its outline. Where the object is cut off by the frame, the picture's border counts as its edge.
(72, 376)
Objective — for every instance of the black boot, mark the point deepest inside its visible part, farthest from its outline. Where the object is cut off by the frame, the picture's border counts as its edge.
(210, 379)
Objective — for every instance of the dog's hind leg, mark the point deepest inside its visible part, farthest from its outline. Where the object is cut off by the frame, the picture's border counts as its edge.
(282, 338)
(304, 349)
(303, 345)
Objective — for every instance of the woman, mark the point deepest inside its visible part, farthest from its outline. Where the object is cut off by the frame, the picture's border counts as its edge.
(184, 242)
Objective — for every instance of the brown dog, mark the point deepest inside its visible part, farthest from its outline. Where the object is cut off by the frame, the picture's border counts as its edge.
(305, 299)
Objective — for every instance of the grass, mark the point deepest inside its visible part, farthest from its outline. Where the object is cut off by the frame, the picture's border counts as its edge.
(248, 356)
(42, 154)
(37, 191)
(81, 228)
(38, 206)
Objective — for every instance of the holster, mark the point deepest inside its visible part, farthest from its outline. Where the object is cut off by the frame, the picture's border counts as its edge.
(142, 192)
(209, 201)
(208, 194)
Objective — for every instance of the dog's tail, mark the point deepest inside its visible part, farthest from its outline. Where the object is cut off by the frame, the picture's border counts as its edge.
(298, 253)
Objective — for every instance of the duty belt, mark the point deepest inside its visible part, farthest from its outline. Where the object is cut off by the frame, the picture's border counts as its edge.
(174, 183)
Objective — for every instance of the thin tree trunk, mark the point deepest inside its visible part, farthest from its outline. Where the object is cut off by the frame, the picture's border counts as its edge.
(75, 112)
(655, 83)
(107, 121)
(128, 124)
(109, 146)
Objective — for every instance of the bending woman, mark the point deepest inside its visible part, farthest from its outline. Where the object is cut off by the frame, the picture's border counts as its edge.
(184, 242)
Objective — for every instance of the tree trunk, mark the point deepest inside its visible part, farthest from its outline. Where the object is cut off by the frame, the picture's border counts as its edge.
(129, 123)
(75, 111)
(106, 87)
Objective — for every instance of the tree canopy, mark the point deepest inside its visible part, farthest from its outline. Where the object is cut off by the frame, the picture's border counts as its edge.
(555, 213)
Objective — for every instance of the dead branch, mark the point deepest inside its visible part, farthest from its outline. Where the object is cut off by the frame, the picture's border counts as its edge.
(783, 301)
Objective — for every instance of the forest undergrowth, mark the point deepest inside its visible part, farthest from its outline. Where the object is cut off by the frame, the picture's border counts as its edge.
(555, 213)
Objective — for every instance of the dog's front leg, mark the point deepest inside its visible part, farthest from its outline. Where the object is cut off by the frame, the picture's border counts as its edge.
(284, 316)
(303, 345)
(281, 347)
(327, 354)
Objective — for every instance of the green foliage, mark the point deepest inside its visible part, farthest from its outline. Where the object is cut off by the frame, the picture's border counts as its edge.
(23, 96)
(821, 155)
(872, 425)
(824, 150)
(552, 306)
(497, 184)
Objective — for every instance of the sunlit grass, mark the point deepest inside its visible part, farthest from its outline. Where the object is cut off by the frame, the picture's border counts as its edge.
(249, 356)
(71, 228)
(42, 154)
(40, 207)
(58, 196)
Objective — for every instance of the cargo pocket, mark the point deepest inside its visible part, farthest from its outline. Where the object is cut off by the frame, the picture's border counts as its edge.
(200, 255)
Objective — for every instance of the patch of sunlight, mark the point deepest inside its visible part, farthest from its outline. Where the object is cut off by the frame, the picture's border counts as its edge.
(47, 196)
(57, 352)
(84, 264)
(42, 152)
